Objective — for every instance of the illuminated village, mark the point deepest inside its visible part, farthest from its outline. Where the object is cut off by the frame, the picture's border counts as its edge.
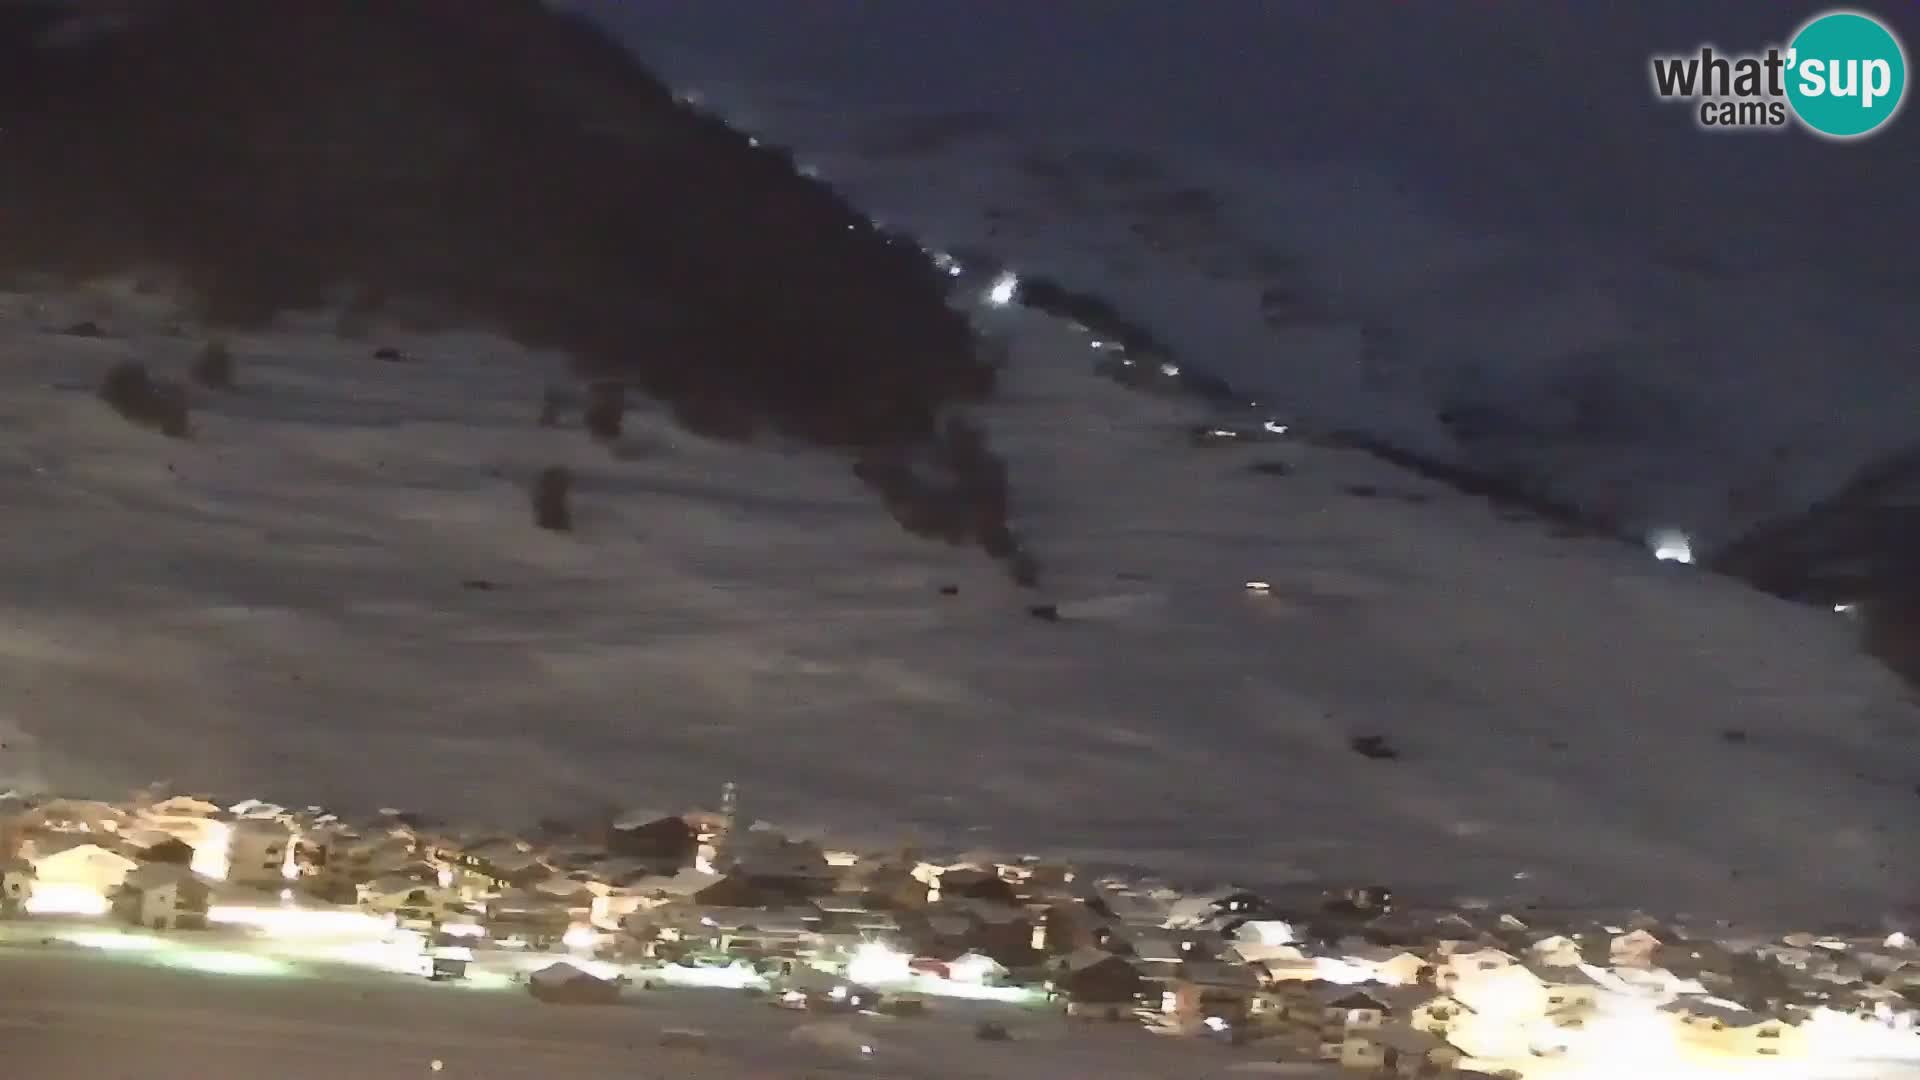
(664, 901)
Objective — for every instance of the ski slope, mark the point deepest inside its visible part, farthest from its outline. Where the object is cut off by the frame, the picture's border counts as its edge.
(1489, 245)
(334, 593)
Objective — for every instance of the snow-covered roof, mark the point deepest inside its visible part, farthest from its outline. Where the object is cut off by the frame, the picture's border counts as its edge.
(155, 875)
(1403, 1039)
(686, 882)
(1085, 957)
(560, 972)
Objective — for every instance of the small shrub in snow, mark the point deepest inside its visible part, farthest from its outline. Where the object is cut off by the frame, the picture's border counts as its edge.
(551, 491)
(552, 401)
(143, 400)
(214, 369)
(606, 410)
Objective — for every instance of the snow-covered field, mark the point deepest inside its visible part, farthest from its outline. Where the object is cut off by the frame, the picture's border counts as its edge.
(283, 606)
(71, 1012)
(1487, 243)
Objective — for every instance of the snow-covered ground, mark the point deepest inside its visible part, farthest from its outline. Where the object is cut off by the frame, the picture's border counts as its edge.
(284, 606)
(68, 1011)
(1479, 215)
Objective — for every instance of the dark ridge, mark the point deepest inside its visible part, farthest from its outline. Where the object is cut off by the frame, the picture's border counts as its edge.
(1859, 546)
(1502, 492)
(450, 163)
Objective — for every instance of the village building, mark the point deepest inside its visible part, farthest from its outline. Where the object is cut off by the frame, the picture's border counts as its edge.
(885, 885)
(529, 917)
(1462, 963)
(491, 865)
(1732, 1031)
(16, 886)
(1134, 906)
(667, 842)
(1510, 993)
(561, 983)
(1440, 1016)
(1557, 951)
(1396, 1050)
(1158, 955)
(259, 853)
(1636, 948)
(1394, 967)
(751, 932)
(76, 816)
(407, 897)
(1064, 926)
(1098, 984)
(1337, 1012)
(1204, 990)
(78, 864)
(795, 870)
(154, 846)
(1573, 995)
(163, 896)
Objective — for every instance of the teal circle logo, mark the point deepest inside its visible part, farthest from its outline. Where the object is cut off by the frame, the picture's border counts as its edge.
(1846, 74)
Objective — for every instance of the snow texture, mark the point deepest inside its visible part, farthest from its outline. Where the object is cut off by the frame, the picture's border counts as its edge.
(321, 1025)
(285, 606)
(1593, 300)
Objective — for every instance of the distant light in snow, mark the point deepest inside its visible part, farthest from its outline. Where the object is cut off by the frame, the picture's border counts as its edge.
(56, 898)
(1170, 369)
(1670, 546)
(751, 141)
(810, 173)
(1004, 289)
(1096, 343)
(1846, 609)
(1261, 587)
(947, 262)
(1275, 426)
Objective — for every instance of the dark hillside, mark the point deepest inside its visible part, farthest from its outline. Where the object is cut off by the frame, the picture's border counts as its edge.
(499, 164)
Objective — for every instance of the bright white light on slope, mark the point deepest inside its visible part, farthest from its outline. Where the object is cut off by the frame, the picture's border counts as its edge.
(1005, 288)
(1671, 546)
(874, 963)
(116, 941)
(1170, 370)
(210, 852)
(53, 898)
(226, 963)
(298, 922)
(1275, 427)
(970, 969)
(734, 977)
(1846, 609)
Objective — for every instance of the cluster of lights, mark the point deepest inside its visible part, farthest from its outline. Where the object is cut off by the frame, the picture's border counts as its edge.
(1004, 290)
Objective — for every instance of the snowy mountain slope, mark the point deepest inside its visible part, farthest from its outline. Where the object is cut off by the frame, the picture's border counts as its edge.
(284, 604)
(1685, 365)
